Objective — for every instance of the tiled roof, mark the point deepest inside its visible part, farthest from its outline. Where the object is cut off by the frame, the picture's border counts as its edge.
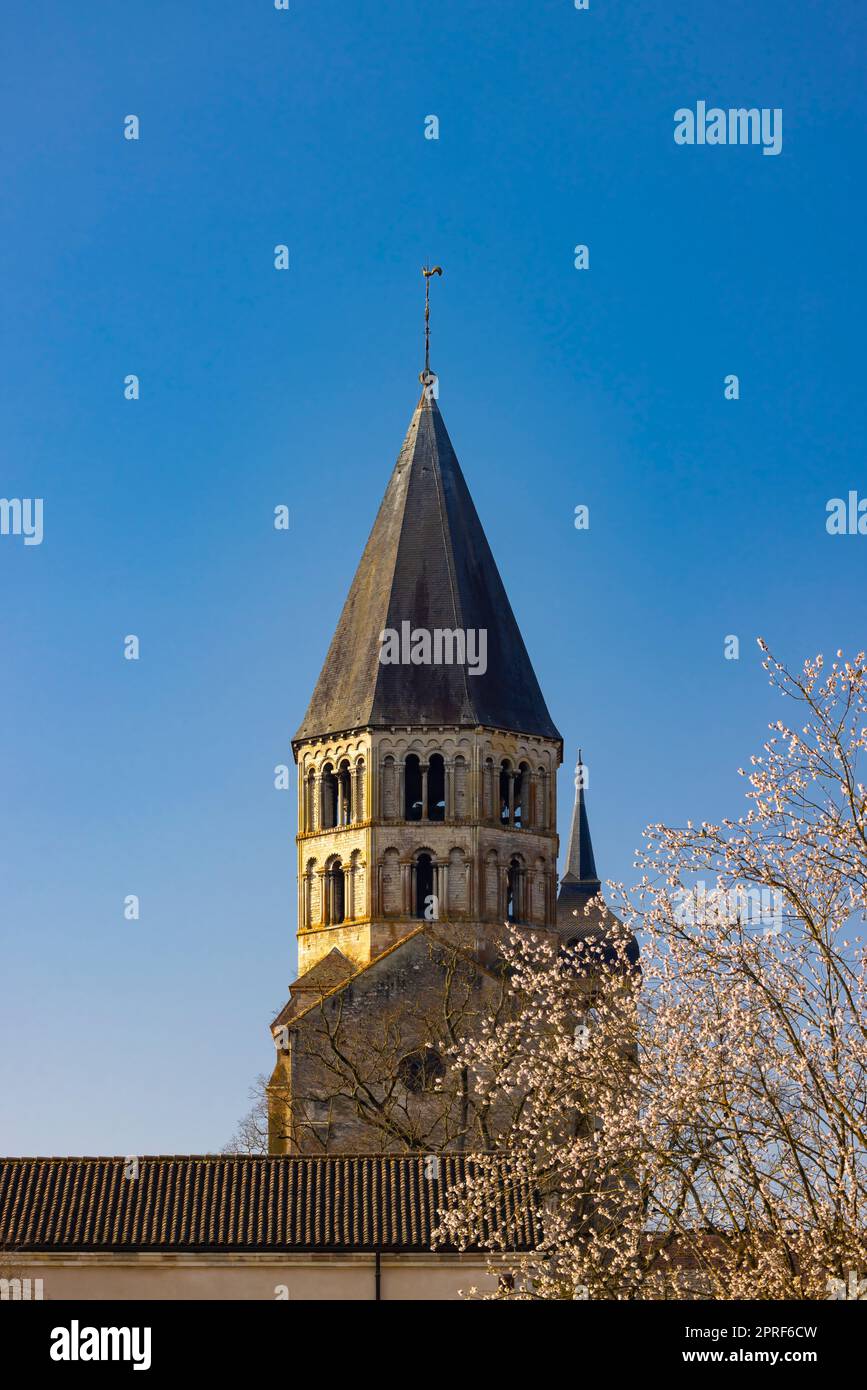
(244, 1203)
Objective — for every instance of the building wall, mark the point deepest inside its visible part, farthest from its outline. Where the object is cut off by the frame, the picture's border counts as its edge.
(216, 1276)
(357, 1042)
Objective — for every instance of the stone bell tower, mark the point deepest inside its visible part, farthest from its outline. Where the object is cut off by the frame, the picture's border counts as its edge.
(427, 806)
(427, 758)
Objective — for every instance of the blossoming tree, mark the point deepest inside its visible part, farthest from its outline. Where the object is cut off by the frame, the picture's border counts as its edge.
(698, 1126)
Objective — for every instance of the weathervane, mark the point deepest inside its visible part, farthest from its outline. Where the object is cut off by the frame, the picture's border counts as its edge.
(427, 376)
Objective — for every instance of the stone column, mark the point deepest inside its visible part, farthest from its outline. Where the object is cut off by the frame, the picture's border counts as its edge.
(441, 887)
(423, 769)
(450, 791)
(407, 885)
(401, 790)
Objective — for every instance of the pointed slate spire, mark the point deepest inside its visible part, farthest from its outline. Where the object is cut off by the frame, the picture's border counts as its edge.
(427, 563)
(580, 875)
(581, 910)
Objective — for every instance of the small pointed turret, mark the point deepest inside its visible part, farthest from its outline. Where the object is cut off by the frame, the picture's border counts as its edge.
(581, 910)
(580, 865)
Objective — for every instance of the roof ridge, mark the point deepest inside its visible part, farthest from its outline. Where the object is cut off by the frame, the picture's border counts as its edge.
(350, 979)
(448, 543)
(428, 928)
(415, 1155)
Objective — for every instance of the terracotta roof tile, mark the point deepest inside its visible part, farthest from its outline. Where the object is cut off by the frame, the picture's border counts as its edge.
(242, 1203)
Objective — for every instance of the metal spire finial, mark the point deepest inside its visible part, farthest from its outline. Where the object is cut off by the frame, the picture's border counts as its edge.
(426, 377)
(580, 780)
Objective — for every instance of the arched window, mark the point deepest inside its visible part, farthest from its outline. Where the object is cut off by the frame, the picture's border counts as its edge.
(420, 1071)
(412, 799)
(423, 884)
(344, 794)
(522, 816)
(436, 788)
(335, 893)
(515, 910)
(329, 798)
(507, 792)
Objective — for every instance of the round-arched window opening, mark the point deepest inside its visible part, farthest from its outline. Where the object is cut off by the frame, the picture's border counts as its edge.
(423, 884)
(420, 1071)
(329, 798)
(335, 894)
(521, 817)
(413, 804)
(506, 791)
(343, 814)
(436, 788)
(515, 884)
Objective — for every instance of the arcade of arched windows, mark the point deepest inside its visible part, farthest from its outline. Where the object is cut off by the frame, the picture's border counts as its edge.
(514, 795)
(426, 886)
(334, 795)
(333, 893)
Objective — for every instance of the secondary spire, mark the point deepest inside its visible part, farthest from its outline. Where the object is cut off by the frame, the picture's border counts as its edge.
(580, 863)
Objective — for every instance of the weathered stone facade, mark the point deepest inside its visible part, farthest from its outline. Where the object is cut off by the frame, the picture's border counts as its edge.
(490, 837)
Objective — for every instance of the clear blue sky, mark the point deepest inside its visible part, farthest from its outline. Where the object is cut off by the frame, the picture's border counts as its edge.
(559, 387)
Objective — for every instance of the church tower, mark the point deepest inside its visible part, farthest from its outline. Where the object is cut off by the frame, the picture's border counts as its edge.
(427, 817)
(427, 758)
